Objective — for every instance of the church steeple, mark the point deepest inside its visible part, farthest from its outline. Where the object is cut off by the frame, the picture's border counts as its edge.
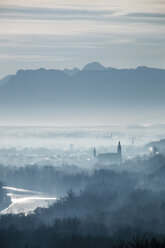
(119, 149)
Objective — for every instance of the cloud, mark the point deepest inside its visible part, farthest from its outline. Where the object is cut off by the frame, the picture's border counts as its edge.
(79, 28)
(66, 21)
(117, 5)
(21, 20)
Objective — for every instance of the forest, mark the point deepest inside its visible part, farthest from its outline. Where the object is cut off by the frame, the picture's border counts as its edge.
(105, 207)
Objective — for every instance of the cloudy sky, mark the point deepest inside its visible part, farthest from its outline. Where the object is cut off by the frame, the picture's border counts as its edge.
(71, 33)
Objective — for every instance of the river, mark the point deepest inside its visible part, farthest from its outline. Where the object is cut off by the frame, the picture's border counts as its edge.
(26, 201)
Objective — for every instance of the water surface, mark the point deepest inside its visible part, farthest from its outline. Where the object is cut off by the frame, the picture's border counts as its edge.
(26, 201)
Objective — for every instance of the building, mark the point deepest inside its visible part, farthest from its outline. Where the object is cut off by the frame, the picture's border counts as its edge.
(110, 158)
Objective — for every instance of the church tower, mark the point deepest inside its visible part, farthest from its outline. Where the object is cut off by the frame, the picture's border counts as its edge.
(119, 149)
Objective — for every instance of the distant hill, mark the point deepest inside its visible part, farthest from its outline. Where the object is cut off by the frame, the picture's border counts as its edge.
(91, 93)
(159, 144)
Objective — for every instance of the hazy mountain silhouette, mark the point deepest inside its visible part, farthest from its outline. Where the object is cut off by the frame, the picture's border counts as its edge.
(5, 79)
(71, 72)
(95, 90)
(94, 66)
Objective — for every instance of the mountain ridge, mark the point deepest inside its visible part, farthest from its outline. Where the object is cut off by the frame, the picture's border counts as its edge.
(74, 71)
(88, 94)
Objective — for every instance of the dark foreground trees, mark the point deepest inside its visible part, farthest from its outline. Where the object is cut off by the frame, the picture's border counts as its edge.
(46, 237)
(110, 209)
(4, 198)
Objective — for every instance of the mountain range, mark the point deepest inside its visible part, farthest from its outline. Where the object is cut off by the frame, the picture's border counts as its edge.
(95, 94)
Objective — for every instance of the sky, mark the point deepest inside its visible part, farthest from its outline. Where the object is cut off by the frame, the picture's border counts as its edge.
(71, 33)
